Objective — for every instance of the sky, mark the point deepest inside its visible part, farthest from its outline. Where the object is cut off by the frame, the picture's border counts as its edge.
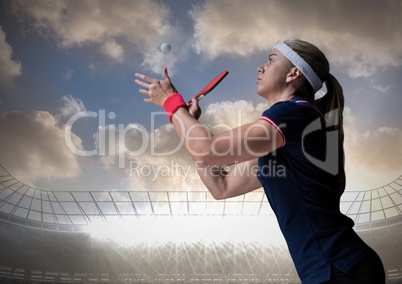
(72, 118)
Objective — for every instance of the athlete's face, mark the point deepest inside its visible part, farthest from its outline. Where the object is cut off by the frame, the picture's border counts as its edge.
(272, 75)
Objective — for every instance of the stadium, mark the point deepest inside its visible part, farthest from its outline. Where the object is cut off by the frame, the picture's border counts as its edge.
(168, 237)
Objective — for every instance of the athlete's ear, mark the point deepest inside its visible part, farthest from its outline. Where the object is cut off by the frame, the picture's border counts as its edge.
(293, 74)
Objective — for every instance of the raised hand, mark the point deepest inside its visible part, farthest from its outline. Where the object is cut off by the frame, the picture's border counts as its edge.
(156, 90)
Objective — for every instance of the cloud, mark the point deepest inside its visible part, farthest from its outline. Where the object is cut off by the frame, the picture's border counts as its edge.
(373, 158)
(229, 114)
(68, 74)
(116, 28)
(149, 161)
(380, 88)
(113, 50)
(363, 36)
(32, 147)
(9, 69)
(70, 107)
(85, 22)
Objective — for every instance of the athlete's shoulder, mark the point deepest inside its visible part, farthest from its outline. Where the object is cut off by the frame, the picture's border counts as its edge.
(288, 106)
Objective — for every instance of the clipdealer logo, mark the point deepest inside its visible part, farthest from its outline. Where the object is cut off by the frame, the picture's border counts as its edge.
(147, 139)
(330, 121)
(114, 143)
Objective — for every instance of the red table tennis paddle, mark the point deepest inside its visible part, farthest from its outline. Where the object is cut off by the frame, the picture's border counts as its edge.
(211, 85)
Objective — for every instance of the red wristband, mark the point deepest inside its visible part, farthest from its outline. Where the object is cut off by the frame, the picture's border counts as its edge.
(173, 103)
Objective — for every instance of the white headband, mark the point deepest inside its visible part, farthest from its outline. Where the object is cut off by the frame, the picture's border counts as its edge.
(300, 64)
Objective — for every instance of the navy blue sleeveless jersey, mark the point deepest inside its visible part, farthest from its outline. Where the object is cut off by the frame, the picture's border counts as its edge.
(304, 193)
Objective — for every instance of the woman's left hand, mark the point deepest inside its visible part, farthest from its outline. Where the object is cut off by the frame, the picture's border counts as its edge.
(156, 90)
(194, 108)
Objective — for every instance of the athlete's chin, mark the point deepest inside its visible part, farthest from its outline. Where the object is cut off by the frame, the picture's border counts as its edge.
(261, 93)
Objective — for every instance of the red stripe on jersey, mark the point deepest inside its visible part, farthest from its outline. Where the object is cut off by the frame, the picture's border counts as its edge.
(276, 127)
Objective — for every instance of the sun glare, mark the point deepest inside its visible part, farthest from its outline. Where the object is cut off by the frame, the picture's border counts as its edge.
(263, 230)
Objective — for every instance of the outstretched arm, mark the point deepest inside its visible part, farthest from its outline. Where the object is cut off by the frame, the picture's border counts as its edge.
(240, 146)
(225, 183)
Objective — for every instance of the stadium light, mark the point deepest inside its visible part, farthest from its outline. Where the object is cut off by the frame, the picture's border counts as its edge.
(207, 229)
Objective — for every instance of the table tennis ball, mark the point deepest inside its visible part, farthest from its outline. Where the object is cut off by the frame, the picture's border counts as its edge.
(165, 47)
